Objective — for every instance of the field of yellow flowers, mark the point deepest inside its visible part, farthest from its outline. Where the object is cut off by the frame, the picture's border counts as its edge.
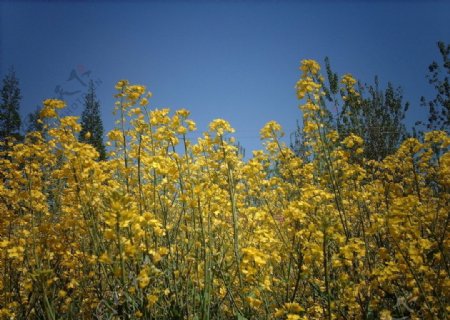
(169, 228)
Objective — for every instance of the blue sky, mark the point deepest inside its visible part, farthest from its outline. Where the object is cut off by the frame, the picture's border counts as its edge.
(236, 60)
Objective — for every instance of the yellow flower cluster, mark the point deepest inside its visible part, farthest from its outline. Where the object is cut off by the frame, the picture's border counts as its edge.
(50, 107)
(348, 90)
(172, 228)
(310, 66)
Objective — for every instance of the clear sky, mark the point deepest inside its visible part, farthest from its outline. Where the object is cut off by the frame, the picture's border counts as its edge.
(236, 60)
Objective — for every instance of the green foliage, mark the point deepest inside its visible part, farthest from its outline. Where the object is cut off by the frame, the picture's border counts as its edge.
(9, 108)
(439, 106)
(91, 122)
(33, 122)
(373, 113)
(377, 117)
